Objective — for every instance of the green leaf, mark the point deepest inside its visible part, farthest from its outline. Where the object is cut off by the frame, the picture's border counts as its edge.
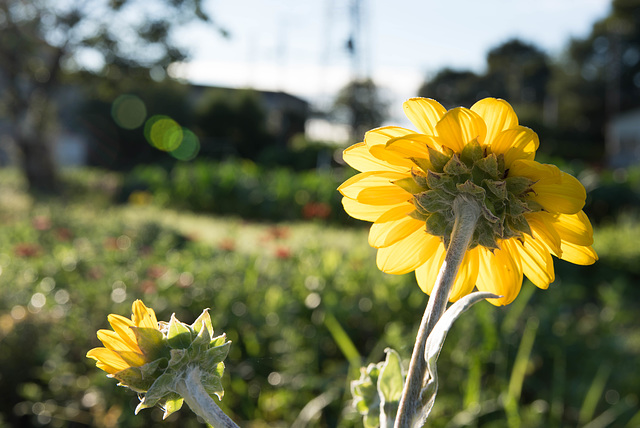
(179, 335)
(434, 344)
(391, 378)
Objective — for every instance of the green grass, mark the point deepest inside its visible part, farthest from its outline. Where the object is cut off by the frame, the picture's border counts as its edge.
(560, 358)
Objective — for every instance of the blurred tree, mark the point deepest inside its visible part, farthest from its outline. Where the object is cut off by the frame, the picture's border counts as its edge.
(232, 122)
(42, 39)
(598, 77)
(518, 72)
(361, 102)
(453, 88)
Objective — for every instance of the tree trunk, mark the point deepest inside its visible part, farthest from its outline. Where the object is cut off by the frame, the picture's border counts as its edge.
(38, 165)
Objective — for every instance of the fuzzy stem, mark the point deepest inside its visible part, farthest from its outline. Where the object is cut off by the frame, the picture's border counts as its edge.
(466, 212)
(200, 402)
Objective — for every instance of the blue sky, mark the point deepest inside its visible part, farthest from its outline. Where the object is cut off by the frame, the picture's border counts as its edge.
(298, 46)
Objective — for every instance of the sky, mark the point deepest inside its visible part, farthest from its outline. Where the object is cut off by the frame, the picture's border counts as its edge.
(299, 46)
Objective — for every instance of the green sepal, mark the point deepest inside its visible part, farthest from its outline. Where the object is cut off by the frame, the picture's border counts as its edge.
(441, 181)
(219, 341)
(438, 224)
(204, 320)
(423, 164)
(409, 184)
(172, 405)
(433, 201)
(140, 378)
(420, 178)
(179, 334)
(518, 185)
(488, 212)
(212, 382)
(215, 355)
(517, 207)
(472, 189)
(471, 153)
(485, 236)
(164, 385)
(520, 224)
(455, 166)
(419, 214)
(151, 342)
(438, 160)
(496, 187)
(489, 165)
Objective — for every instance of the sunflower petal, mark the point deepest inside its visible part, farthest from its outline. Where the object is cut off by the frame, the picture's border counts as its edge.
(573, 228)
(555, 191)
(115, 342)
(143, 316)
(536, 260)
(499, 273)
(424, 113)
(466, 277)
(393, 225)
(578, 254)
(427, 274)
(366, 212)
(108, 360)
(122, 326)
(543, 230)
(361, 159)
(359, 182)
(498, 116)
(408, 254)
(459, 126)
(384, 134)
(516, 143)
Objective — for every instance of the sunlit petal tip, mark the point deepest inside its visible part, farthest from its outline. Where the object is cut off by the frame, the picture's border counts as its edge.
(144, 316)
(459, 126)
(424, 113)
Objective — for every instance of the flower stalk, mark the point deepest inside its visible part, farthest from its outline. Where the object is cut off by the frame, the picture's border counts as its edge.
(190, 388)
(466, 212)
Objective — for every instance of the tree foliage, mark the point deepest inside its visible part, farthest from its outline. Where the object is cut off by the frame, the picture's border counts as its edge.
(361, 102)
(41, 40)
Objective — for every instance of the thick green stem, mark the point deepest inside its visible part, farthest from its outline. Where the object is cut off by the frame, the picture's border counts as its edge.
(200, 402)
(466, 213)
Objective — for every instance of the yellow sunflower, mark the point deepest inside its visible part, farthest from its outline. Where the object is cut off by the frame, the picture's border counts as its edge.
(408, 181)
(122, 350)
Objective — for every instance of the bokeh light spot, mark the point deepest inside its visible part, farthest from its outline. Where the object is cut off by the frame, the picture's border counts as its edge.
(189, 148)
(128, 111)
(163, 133)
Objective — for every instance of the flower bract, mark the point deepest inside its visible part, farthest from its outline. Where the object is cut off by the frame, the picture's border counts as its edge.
(151, 357)
(409, 178)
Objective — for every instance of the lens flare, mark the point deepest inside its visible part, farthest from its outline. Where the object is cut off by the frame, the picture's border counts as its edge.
(128, 111)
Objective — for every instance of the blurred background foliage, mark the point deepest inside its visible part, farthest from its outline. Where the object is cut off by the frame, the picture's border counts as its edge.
(191, 197)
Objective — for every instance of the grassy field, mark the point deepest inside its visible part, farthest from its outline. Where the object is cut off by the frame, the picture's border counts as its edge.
(563, 357)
